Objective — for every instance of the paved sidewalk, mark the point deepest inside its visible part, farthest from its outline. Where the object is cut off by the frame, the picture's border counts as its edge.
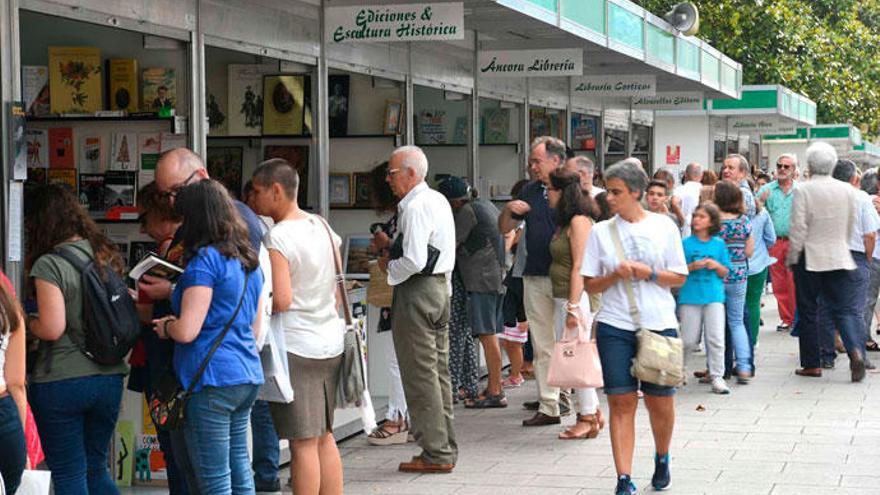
(781, 434)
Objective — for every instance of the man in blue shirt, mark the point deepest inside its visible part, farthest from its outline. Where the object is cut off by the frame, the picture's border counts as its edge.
(546, 155)
(176, 169)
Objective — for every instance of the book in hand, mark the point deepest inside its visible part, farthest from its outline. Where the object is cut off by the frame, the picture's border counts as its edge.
(153, 265)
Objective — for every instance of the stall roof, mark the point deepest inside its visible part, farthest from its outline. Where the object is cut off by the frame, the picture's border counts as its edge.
(846, 138)
(772, 99)
(618, 37)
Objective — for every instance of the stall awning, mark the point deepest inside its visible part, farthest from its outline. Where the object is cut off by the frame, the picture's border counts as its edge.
(618, 37)
(846, 139)
(767, 100)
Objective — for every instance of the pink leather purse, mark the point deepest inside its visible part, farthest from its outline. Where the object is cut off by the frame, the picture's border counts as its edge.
(575, 362)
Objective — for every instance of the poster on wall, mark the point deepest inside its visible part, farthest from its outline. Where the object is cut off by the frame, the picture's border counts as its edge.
(283, 105)
(225, 165)
(583, 132)
(298, 158)
(431, 128)
(641, 139)
(337, 104)
(495, 125)
(673, 154)
(406, 22)
(245, 98)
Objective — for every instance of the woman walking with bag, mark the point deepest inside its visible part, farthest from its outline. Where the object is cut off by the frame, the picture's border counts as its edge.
(633, 260)
(572, 305)
(75, 400)
(215, 354)
(302, 249)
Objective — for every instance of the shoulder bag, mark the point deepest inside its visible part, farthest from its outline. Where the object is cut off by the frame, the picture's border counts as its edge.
(659, 359)
(168, 400)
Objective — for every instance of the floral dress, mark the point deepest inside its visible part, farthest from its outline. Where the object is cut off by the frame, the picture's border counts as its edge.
(462, 351)
(735, 232)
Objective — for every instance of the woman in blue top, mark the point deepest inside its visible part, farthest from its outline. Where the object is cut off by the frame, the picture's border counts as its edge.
(219, 259)
(701, 299)
(759, 264)
(736, 230)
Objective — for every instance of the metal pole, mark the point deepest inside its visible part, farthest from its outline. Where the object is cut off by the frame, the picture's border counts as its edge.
(473, 140)
(568, 114)
(10, 68)
(409, 97)
(321, 122)
(198, 127)
(524, 129)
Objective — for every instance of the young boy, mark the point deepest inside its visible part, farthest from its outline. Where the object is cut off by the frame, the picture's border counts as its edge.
(657, 198)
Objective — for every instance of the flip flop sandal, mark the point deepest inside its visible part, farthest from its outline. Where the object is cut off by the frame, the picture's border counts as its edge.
(872, 346)
(381, 436)
(487, 402)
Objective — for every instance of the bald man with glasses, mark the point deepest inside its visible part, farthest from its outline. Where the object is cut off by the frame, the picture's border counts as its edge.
(776, 197)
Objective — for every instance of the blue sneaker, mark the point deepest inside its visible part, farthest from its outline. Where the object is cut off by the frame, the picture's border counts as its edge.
(661, 479)
(625, 486)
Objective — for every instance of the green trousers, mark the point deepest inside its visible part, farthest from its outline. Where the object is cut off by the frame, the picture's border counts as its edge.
(420, 330)
(754, 289)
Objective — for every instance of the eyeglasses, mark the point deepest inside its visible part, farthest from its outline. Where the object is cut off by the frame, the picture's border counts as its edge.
(391, 171)
(177, 187)
(783, 166)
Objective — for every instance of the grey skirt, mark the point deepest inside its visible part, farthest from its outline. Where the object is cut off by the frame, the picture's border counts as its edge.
(310, 414)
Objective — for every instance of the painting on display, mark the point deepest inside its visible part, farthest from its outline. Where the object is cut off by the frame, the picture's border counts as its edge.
(432, 127)
(337, 104)
(283, 105)
(245, 98)
(357, 256)
(298, 157)
(496, 125)
(362, 190)
(225, 165)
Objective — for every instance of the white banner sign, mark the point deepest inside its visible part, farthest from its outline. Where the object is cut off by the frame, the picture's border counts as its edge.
(756, 124)
(615, 86)
(532, 63)
(688, 100)
(405, 22)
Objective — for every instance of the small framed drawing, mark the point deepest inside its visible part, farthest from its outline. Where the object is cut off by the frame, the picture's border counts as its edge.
(362, 190)
(340, 189)
(357, 256)
(392, 117)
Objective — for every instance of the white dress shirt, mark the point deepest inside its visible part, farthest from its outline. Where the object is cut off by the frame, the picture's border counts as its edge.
(689, 193)
(867, 220)
(425, 217)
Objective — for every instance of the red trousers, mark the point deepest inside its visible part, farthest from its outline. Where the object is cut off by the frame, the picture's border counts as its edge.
(783, 281)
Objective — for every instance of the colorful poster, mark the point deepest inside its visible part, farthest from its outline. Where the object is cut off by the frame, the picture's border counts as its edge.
(496, 125)
(673, 154)
(37, 148)
(432, 127)
(61, 147)
(75, 79)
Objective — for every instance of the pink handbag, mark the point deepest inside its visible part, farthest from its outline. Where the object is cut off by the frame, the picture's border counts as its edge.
(575, 362)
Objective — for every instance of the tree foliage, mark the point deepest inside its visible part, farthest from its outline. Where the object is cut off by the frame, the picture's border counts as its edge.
(829, 50)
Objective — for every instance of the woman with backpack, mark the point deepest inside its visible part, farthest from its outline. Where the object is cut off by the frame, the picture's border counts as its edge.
(216, 300)
(75, 400)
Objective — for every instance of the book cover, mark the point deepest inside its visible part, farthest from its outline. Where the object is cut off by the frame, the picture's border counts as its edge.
(225, 165)
(496, 125)
(149, 146)
(119, 188)
(245, 98)
(91, 153)
(63, 176)
(37, 148)
(138, 250)
(151, 264)
(283, 104)
(35, 90)
(160, 89)
(169, 141)
(124, 153)
(432, 127)
(123, 452)
(91, 193)
(61, 147)
(75, 79)
(123, 76)
(298, 158)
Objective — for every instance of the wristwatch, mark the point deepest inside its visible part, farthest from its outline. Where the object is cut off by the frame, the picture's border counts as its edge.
(653, 276)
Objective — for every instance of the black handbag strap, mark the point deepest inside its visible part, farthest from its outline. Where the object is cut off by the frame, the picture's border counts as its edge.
(219, 339)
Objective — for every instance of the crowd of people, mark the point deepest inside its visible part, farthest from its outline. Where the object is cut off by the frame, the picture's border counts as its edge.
(606, 255)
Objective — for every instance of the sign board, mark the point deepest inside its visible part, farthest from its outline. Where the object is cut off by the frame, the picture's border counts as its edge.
(531, 63)
(768, 124)
(687, 100)
(673, 154)
(614, 86)
(404, 22)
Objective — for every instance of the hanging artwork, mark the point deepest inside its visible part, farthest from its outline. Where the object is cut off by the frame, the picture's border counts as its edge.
(337, 104)
(225, 165)
(432, 127)
(298, 158)
(245, 98)
(283, 104)
(496, 125)
(340, 189)
(391, 125)
(362, 190)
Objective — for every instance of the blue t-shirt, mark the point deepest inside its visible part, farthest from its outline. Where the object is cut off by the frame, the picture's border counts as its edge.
(254, 225)
(704, 286)
(236, 361)
(540, 226)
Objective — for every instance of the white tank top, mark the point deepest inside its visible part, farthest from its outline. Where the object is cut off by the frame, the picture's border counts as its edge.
(4, 344)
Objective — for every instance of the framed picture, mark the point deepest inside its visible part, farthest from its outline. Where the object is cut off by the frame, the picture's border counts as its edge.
(357, 256)
(337, 104)
(362, 189)
(298, 157)
(392, 117)
(225, 164)
(283, 105)
(340, 189)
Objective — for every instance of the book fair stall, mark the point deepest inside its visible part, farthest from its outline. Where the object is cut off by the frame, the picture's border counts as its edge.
(94, 91)
(846, 139)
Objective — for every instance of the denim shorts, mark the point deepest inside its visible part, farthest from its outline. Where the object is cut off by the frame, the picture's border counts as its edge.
(484, 313)
(617, 348)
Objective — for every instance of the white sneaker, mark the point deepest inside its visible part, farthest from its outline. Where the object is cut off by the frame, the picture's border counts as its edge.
(719, 386)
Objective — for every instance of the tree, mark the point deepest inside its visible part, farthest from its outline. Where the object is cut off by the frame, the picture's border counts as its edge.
(826, 49)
